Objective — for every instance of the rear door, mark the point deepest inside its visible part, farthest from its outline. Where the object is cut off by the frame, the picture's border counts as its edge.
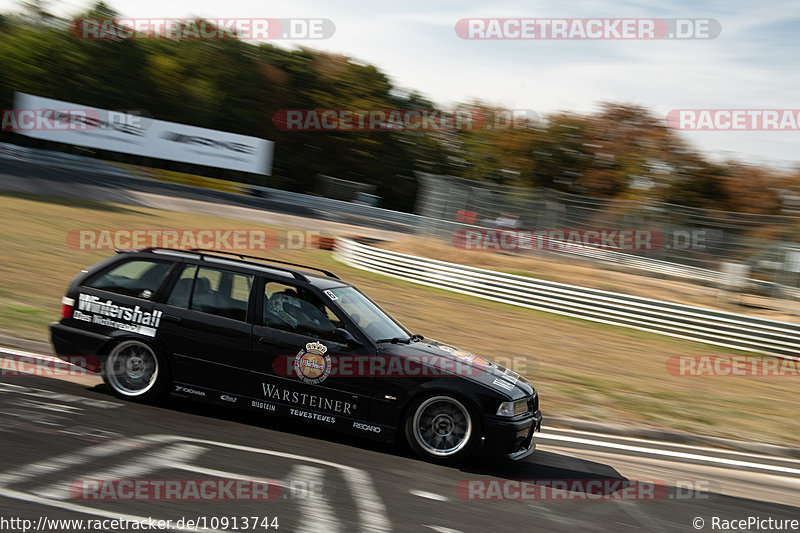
(207, 327)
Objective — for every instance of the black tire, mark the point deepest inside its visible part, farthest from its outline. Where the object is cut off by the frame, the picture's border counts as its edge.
(136, 371)
(442, 428)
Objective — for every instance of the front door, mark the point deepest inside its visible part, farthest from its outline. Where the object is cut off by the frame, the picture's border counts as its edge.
(298, 369)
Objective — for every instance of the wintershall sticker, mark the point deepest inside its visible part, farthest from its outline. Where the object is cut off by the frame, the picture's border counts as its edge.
(134, 319)
(311, 365)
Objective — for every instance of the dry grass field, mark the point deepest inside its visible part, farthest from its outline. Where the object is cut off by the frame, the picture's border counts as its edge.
(582, 369)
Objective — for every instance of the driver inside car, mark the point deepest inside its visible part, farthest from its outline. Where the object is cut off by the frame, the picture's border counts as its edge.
(299, 312)
(286, 306)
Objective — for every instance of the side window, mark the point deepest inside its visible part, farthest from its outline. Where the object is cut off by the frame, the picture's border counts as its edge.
(298, 310)
(221, 292)
(138, 278)
(179, 297)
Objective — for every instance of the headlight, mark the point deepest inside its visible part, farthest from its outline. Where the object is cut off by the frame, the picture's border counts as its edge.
(514, 408)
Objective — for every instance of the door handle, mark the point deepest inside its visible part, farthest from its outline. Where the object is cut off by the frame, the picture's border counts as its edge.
(172, 318)
(270, 341)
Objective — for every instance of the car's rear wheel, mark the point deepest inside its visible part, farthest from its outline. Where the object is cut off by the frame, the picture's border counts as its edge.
(442, 429)
(135, 371)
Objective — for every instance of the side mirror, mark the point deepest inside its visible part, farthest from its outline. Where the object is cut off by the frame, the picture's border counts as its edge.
(343, 336)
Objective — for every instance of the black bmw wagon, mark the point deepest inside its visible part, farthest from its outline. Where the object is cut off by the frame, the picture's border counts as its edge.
(290, 340)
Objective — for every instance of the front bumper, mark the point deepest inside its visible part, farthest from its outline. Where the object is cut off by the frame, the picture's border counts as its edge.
(512, 439)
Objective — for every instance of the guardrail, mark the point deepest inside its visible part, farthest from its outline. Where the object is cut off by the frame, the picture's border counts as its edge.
(730, 330)
(405, 222)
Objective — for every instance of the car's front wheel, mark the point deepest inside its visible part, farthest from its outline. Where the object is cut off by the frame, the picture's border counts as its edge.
(135, 371)
(442, 429)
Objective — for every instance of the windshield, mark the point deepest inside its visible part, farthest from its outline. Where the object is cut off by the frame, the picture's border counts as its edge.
(373, 320)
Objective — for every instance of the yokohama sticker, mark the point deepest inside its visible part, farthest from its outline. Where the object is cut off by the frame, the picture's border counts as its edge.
(311, 364)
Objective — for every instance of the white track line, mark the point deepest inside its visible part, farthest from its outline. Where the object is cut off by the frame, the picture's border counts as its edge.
(608, 436)
(669, 453)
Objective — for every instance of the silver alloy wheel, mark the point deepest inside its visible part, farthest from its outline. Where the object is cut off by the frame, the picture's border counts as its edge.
(442, 426)
(132, 368)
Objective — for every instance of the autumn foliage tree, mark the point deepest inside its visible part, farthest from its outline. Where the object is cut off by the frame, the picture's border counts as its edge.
(621, 151)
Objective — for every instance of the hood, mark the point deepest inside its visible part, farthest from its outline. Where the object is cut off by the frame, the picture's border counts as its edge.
(468, 365)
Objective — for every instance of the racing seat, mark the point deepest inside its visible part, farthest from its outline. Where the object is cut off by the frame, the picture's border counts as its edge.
(180, 294)
(205, 299)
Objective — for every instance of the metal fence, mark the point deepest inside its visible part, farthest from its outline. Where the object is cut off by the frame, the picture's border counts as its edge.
(774, 264)
(768, 244)
(708, 326)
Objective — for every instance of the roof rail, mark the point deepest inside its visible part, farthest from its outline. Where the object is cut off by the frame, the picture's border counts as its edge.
(205, 251)
(267, 260)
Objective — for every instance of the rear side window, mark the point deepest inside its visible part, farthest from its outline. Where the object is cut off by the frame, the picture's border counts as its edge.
(183, 288)
(221, 292)
(138, 278)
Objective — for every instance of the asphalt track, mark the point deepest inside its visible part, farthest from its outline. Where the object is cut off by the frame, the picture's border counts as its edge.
(56, 430)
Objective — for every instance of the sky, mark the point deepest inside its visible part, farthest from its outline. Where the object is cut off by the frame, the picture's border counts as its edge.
(750, 65)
